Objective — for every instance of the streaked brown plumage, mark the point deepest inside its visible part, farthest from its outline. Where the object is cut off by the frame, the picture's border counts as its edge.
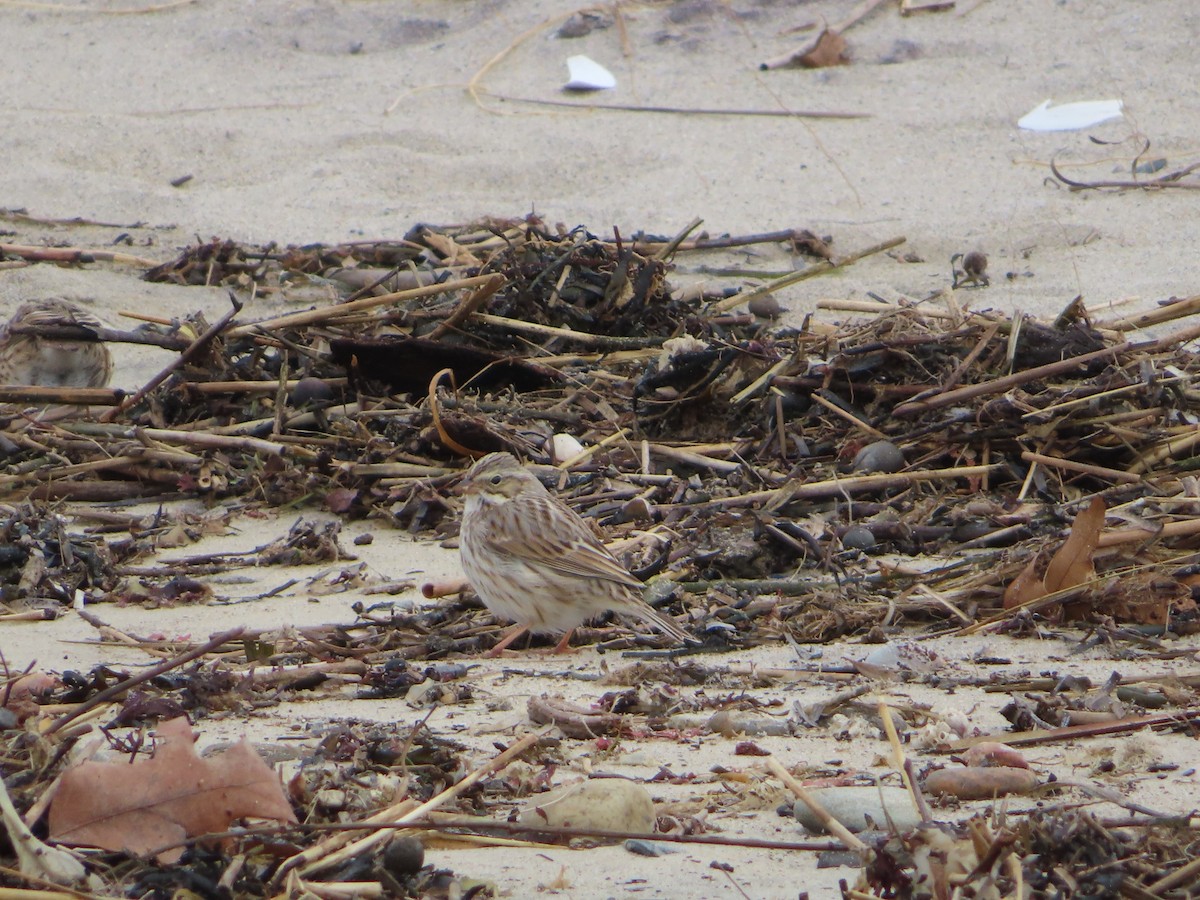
(534, 561)
(30, 359)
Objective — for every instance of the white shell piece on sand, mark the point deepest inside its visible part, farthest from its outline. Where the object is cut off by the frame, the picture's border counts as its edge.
(1070, 116)
(586, 74)
(563, 447)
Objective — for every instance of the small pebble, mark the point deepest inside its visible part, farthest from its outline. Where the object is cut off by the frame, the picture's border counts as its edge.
(602, 804)
(765, 306)
(854, 805)
(858, 537)
(564, 446)
(880, 456)
(311, 390)
(980, 783)
(404, 857)
(648, 848)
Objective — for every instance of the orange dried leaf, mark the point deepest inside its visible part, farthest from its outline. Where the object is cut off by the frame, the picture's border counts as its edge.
(1072, 564)
(1027, 586)
(152, 803)
(829, 49)
(21, 695)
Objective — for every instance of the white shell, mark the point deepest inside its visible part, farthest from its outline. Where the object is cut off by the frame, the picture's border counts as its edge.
(564, 447)
(586, 74)
(1070, 116)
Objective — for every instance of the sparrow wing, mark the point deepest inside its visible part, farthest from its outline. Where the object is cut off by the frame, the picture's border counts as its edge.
(562, 541)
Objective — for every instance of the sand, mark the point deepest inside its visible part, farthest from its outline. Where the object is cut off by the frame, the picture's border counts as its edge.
(302, 122)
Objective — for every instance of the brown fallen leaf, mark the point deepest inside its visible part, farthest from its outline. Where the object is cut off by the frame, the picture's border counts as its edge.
(21, 695)
(1070, 566)
(156, 802)
(829, 49)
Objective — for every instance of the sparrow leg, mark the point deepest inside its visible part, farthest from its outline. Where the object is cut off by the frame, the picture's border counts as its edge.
(564, 646)
(512, 634)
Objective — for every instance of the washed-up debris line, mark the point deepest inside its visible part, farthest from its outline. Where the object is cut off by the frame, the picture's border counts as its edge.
(740, 463)
(918, 463)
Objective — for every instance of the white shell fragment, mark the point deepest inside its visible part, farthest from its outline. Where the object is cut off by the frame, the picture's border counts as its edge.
(1070, 116)
(563, 447)
(587, 75)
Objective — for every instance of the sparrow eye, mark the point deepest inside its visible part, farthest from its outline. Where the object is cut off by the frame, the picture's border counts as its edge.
(496, 479)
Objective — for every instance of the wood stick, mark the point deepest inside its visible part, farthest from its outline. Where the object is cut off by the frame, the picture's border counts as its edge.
(1070, 465)
(836, 487)
(580, 337)
(1071, 732)
(703, 243)
(884, 309)
(832, 825)
(196, 346)
(899, 761)
(325, 313)
(71, 396)
(75, 255)
(469, 306)
(815, 269)
(849, 417)
(440, 821)
(1185, 528)
(1007, 382)
(1176, 309)
(252, 387)
(678, 110)
(99, 333)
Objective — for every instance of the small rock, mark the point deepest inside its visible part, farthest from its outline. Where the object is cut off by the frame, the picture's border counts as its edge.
(605, 804)
(858, 537)
(852, 806)
(311, 390)
(994, 753)
(981, 784)
(881, 456)
(765, 306)
(404, 857)
(640, 847)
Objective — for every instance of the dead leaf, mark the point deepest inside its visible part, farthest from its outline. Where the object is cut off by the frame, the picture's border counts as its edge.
(1027, 586)
(21, 696)
(1070, 566)
(156, 802)
(829, 49)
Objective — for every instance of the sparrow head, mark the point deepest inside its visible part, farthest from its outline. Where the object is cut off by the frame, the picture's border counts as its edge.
(498, 477)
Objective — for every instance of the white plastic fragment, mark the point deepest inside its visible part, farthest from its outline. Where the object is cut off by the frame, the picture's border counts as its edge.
(1070, 116)
(585, 74)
